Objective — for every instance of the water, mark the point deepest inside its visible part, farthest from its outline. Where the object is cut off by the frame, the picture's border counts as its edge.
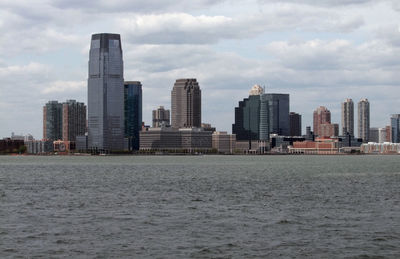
(200, 206)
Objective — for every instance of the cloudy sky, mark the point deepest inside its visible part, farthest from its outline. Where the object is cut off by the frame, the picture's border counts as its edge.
(318, 51)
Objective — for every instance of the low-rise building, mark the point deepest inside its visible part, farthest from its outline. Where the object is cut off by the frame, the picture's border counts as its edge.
(169, 139)
(9, 145)
(380, 148)
(63, 146)
(223, 142)
(321, 146)
(37, 147)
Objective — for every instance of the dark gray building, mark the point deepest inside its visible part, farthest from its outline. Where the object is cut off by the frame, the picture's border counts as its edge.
(53, 121)
(74, 120)
(295, 124)
(348, 117)
(106, 93)
(133, 113)
(186, 104)
(278, 105)
(260, 115)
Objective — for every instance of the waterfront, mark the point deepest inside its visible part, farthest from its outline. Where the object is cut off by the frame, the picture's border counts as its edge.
(200, 206)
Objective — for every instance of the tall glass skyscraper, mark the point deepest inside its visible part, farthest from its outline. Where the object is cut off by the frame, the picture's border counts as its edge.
(133, 113)
(260, 115)
(106, 93)
(278, 107)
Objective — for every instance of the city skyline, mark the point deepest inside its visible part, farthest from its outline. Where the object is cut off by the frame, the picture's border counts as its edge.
(227, 46)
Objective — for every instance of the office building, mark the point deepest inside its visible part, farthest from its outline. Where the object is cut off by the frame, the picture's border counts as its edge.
(132, 113)
(74, 120)
(348, 117)
(373, 135)
(186, 104)
(363, 119)
(106, 93)
(295, 124)
(247, 119)
(161, 117)
(395, 128)
(223, 142)
(260, 115)
(176, 140)
(321, 116)
(278, 113)
(52, 121)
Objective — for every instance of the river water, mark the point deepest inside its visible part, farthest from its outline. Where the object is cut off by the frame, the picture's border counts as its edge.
(200, 206)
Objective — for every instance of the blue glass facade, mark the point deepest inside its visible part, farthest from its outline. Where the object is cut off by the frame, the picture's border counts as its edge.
(395, 124)
(105, 93)
(133, 113)
(261, 115)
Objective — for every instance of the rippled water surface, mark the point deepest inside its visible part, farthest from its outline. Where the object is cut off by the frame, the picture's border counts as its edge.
(200, 206)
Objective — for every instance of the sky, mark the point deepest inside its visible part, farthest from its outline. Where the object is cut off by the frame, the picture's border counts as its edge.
(318, 51)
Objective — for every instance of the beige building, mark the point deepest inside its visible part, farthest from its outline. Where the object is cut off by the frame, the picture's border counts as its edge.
(167, 138)
(224, 142)
(186, 104)
(363, 119)
(161, 117)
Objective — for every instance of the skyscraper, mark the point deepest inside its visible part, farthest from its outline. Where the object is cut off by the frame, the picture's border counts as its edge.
(186, 104)
(363, 119)
(348, 117)
(74, 120)
(278, 113)
(321, 116)
(247, 119)
(161, 117)
(295, 124)
(133, 113)
(395, 126)
(52, 121)
(260, 115)
(106, 93)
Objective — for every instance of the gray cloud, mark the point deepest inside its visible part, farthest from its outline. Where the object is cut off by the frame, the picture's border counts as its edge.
(135, 6)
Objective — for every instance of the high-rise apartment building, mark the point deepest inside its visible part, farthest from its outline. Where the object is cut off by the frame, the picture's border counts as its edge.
(161, 117)
(321, 116)
(106, 93)
(186, 104)
(295, 124)
(395, 126)
(348, 117)
(53, 121)
(74, 120)
(132, 113)
(363, 119)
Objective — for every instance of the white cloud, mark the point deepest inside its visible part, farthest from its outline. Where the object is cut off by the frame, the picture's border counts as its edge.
(64, 86)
